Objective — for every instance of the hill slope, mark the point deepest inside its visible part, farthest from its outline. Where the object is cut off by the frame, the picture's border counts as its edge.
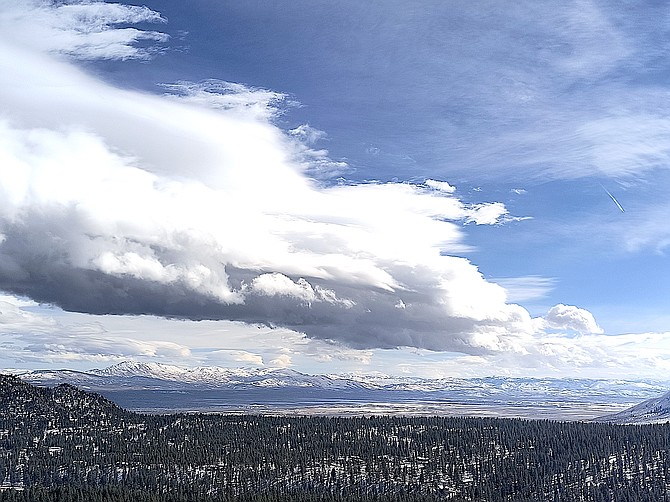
(61, 405)
(651, 411)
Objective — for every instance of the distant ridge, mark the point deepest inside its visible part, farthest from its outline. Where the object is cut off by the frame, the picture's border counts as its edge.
(213, 376)
(138, 375)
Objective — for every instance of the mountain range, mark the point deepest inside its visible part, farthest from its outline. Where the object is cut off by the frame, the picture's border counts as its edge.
(130, 374)
(155, 387)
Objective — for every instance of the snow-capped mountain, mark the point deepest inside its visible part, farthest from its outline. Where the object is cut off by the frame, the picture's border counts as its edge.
(156, 375)
(651, 411)
(139, 375)
(137, 369)
(161, 387)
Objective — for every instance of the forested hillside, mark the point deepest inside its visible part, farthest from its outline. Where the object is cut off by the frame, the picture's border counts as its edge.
(64, 444)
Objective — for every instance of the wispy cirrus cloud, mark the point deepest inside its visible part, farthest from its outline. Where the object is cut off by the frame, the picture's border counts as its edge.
(579, 91)
(522, 289)
(84, 30)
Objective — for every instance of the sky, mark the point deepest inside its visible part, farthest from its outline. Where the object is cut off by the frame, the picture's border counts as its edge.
(430, 189)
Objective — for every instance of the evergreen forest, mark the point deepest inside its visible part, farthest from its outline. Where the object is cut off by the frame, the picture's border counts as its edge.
(64, 444)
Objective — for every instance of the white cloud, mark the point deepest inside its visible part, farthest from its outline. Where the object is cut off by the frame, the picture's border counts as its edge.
(595, 45)
(308, 134)
(441, 186)
(85, 30)
(567, 317)
(15, 318)
(625, 145)
(646, 228)
(522, 289)
(278, 284)
(30, 334)
(487, 214)
(233, 358)
(232, 97)
(282, 361)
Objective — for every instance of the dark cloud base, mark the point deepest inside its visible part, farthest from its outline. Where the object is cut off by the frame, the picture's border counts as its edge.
(35, 267)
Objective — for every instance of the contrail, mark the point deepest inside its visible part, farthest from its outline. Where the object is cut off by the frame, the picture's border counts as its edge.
(613, 198)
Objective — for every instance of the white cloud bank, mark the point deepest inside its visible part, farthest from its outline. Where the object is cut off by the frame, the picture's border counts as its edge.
(195, 205)
(34, 336)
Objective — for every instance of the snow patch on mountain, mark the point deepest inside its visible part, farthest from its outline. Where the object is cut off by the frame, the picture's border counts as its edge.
(149, 370)
(651, 411)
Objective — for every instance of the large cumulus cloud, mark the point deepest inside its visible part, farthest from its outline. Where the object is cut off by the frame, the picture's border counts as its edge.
(90, 230)
(195, 204)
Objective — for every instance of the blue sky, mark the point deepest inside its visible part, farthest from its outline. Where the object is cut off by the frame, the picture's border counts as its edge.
(430, 188)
